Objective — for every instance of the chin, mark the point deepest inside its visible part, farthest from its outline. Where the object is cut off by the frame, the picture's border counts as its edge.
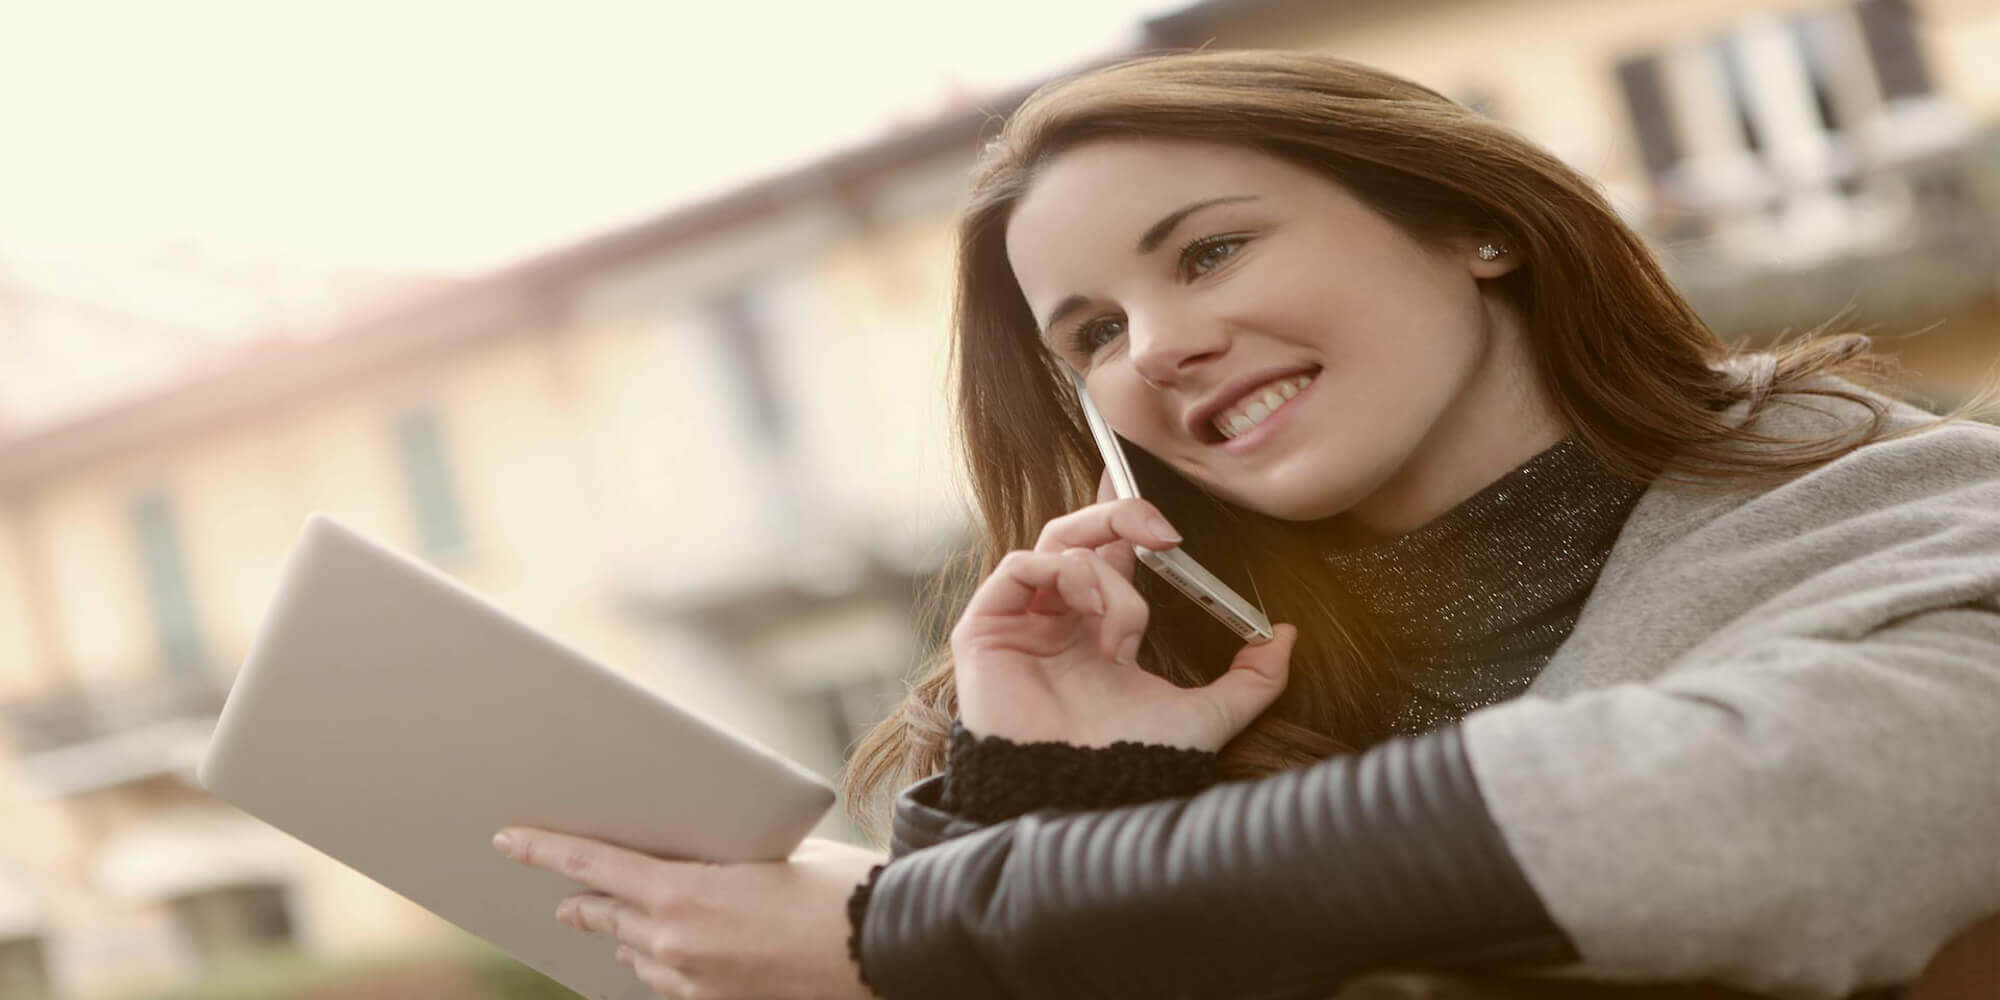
(1320, 488)
(1294, 507)
(1302, 511)
(1297, 492)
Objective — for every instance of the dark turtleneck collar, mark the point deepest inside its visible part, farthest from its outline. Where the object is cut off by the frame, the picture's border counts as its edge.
(1473, 603)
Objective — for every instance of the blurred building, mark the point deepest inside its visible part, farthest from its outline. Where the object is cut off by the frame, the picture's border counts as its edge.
(710, 450)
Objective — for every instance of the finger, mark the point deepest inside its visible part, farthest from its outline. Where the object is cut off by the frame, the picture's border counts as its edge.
(640, 878)
(1122, 557)
(1014, 584)
(658, 976)
(1119, 553)
(1077, 582)
(593, 913)
(1133, 521)
(1255, 678)
(1075, 588)
(571, 910)
(1125, 614)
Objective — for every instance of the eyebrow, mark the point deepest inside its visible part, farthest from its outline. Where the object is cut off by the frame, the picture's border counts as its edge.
(1149, 241)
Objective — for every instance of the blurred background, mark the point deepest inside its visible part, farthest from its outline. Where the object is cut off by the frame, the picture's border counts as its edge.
(632, 319)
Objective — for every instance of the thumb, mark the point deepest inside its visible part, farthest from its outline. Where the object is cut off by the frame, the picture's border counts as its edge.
(1255, 678)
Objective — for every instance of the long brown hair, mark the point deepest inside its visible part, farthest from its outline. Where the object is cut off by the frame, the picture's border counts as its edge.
(1632, 367)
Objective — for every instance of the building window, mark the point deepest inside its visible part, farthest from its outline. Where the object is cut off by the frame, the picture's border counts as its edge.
(24, 967)
(1821, 56)
(428, 478)
(227, 920)
(1732, 62)
(1646, 101)
(167, 590)
(745, 348)
(740, 323)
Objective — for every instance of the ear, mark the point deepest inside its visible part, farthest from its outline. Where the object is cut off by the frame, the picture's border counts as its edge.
(1475, 251)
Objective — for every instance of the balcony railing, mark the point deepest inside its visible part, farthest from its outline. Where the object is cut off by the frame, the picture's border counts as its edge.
(75, 741)
(1904, 243)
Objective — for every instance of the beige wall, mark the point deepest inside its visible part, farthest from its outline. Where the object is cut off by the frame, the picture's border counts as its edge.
(1962, 35)
(864, 354)
(103, 626)
(23, 668)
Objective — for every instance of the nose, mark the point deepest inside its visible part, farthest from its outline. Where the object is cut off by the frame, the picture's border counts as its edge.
(1164, 347)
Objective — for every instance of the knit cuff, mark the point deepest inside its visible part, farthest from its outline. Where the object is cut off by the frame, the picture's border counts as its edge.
(857, 916)
(989, 779)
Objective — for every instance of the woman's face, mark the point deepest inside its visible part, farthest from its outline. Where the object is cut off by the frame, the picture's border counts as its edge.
(1259, 329)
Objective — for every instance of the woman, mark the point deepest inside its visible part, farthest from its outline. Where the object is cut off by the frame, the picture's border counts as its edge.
(1606, 655)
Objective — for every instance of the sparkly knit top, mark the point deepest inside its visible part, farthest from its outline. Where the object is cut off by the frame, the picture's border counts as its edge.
(1474, 603)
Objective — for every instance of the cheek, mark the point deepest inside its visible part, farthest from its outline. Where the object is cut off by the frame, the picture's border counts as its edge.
(1406, 322)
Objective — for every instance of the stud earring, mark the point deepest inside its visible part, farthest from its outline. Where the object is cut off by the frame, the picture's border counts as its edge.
(1490, 251)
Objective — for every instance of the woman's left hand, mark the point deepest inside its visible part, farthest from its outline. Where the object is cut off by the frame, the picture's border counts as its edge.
(757, 929)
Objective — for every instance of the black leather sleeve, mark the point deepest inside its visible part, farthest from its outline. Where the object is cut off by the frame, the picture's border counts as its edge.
(1280, 887)
(988, 779)
(921, 820)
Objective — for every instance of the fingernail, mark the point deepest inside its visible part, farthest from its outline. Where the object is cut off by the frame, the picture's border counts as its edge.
(503, 843)
(1129, 651)
(1097, 601)
(1164, 530)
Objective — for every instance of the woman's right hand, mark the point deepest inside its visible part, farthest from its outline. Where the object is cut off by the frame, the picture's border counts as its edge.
(1045, 649)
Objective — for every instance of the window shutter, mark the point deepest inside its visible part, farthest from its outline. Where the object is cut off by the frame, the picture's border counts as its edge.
(1890, 29)
(1646, 100)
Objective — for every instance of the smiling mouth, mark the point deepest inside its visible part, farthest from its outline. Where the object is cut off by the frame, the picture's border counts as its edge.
(1257, 406)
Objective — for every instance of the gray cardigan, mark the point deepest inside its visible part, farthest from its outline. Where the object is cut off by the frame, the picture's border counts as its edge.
(1769, 753)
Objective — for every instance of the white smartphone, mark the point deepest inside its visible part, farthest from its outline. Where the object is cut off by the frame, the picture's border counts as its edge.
(1175, 566)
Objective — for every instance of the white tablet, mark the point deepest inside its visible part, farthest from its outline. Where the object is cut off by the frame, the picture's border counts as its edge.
(395, 720)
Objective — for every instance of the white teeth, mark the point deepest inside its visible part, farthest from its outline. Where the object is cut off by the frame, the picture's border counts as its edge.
(1244, 416)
